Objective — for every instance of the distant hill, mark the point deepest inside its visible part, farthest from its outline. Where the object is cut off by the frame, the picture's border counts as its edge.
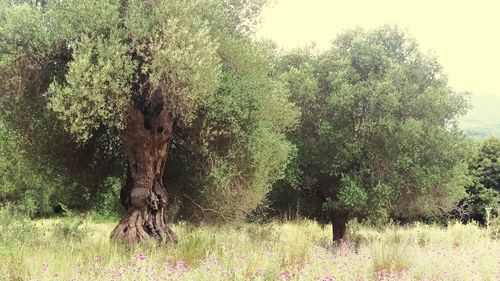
(483, 120)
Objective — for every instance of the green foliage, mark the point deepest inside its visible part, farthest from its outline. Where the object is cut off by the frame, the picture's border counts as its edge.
(95, 51)
(29, 187)
(178, 50)
(71, 69)
(351, 197)
(377, 133)
(36, 43)
(484, 190)
(238, 140)
(96, 89)
(108, 202)
(486, 165)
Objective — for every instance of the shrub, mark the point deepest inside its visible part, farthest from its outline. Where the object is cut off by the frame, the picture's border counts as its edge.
(72, 227)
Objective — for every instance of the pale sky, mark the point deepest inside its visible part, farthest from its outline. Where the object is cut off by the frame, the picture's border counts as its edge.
(465, 35)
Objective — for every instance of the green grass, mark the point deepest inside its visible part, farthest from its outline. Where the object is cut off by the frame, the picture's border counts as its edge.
(79, 249)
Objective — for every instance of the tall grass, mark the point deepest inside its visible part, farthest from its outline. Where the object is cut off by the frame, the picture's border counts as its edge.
(77, 248)
(390, 257)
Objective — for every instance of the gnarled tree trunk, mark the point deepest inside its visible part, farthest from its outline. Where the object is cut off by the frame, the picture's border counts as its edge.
(146, 139)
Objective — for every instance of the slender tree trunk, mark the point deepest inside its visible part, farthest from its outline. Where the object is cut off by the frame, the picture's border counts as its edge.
(339, 225)
(146, 139)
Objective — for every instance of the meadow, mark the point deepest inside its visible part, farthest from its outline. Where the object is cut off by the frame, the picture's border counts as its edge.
(78, 248)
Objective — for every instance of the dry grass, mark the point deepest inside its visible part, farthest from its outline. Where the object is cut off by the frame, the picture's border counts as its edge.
(72, 249)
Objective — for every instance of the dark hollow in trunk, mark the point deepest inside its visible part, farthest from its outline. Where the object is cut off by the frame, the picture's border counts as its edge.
(339, 225)
(146, 139)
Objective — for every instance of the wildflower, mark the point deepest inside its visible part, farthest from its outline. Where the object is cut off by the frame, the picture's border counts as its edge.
(181, 264)
(140, 256)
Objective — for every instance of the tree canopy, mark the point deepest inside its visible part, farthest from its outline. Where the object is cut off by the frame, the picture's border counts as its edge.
(377, 134)
(179, 104)
(484, 190)
(71, 69)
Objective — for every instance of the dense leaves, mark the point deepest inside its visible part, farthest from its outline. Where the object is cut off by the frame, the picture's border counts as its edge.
(70, 69)
(365, 129)
(29, 187)
(486, 165)
(484, 190)
(377, 135)
(238, 139)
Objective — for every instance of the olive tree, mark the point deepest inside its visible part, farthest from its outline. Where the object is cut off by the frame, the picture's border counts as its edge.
(377, 134)
(155, 74)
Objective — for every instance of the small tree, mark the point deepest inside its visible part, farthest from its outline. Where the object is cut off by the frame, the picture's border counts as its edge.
(155, 74)
(377, 135)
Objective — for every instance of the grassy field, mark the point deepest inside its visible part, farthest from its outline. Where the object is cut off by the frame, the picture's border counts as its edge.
(79, 249)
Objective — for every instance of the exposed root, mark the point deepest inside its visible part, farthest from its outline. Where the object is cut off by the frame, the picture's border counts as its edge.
(139, 227)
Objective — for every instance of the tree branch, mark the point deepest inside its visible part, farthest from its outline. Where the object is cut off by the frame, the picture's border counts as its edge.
(205, 209)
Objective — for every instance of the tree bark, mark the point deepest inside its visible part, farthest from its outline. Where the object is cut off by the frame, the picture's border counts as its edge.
(339, 225)
(146, 139)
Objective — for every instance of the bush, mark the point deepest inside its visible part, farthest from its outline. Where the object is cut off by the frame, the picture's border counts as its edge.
(71, 228)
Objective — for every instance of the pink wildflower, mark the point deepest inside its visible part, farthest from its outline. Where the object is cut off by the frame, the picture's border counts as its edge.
(140, 256)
